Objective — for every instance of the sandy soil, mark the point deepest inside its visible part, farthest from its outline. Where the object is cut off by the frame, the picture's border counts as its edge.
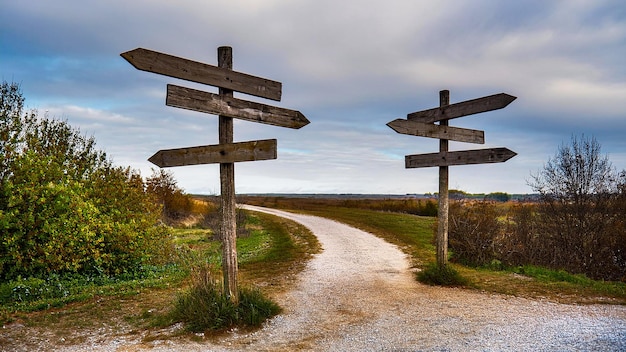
(360, 295)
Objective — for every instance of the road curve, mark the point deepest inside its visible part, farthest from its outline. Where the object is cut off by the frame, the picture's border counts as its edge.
(359, 294)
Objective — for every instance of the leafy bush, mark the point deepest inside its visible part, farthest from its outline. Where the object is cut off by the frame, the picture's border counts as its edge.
(34, 294)
(63, 207)
(205, 307)
(176, 205)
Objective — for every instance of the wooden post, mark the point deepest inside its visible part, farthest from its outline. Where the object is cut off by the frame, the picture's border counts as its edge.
(442, 228)
(227, 184)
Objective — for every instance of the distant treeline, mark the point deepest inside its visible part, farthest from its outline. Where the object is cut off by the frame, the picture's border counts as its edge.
(453, 194)
(423, 207)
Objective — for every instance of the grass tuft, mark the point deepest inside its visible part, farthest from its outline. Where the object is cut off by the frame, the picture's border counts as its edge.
(205, 307)
(436, 275)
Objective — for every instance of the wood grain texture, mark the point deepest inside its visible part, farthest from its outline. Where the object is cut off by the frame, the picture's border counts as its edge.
(228, 228)
(177, 67)
(444, 200)
(197, 100)
(420, 129)
(215, 154)
(465, 157)
(465, 108)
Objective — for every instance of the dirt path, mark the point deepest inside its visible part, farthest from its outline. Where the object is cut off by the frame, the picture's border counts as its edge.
(359, 295)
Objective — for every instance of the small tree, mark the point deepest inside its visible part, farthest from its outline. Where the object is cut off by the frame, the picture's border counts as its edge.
(576, 174)
(578, 189)
(163, 187)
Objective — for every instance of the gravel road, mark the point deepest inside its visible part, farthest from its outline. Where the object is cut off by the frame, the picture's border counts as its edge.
(358, 294)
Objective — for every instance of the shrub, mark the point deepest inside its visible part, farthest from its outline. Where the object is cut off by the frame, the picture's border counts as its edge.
(521, 242)
(482, 234)
(473, 229)
(205, 307)
(63, 207)
(437, 275)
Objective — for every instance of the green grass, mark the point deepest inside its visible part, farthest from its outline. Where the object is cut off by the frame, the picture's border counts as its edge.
(274, 248)
(575, 280)
(32, 294)
(282, 248)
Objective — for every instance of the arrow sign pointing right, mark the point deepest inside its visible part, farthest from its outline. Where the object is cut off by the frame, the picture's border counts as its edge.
(469, 107)
(213, 154)
(197, 100)
(466, 157)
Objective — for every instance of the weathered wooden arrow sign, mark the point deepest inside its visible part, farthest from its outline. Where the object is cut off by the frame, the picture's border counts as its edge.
(465, 157)
(197, 100)
(465, 108)
(177, 67)
(420, 129)
(213, 154)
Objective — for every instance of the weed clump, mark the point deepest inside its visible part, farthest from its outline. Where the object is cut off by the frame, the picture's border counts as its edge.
(436, 275)
(205, 307)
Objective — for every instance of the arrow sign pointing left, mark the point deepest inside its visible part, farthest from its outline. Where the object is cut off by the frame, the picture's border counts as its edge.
(466, 157)
(197, 100)
(177, 67)
(213, 154)
(420, 129)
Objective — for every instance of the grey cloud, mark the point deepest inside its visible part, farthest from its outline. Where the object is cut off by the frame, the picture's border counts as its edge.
(349, 66)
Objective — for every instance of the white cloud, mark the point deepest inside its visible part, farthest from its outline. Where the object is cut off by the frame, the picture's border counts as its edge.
(86, 115)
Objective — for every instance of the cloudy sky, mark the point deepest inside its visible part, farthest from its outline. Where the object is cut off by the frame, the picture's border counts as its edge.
(349, 66)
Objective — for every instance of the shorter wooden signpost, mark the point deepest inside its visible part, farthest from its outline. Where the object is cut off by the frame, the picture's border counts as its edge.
(226, 153)
(421, 124)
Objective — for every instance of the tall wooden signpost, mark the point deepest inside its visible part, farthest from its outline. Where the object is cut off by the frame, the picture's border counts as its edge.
(226, 153)
(422, 124)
